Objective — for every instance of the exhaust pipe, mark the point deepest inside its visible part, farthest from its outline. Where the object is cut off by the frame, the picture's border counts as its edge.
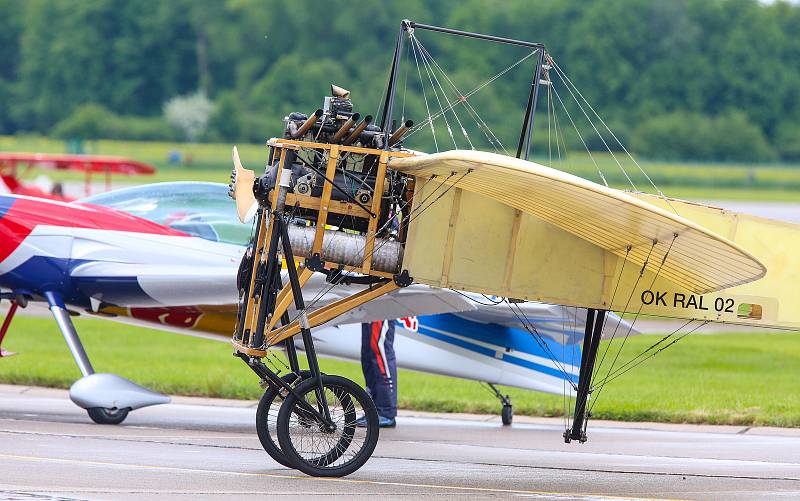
(399, 133)
(358, 130)
(307, 124)
(345, 128)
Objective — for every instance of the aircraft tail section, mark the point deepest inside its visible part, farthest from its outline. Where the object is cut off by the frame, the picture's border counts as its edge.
(768, 302)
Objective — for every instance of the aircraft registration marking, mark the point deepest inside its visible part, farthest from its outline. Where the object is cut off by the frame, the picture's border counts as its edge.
(688, 301)
(714, 307)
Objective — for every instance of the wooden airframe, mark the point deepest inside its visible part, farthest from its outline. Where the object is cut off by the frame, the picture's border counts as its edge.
(249, 327)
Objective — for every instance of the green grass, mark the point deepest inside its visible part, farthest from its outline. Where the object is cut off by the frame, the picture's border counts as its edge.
(746, 379)
(704, 181)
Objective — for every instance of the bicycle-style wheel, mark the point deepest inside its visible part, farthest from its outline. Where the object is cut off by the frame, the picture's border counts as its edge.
(267, 416)
(317, 450)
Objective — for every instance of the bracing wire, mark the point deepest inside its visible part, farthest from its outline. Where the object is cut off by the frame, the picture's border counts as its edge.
(531, 328)
(490, 302)
(471, 93)
(569, 83)
(436, 95)
(549, 139)
(602, 139)
(487, 131)
(635, 318)
(578, 132)
(630, 365)
(426, 56)
(427, 108)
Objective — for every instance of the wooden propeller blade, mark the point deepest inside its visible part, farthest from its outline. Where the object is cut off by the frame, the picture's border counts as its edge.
(241, 189)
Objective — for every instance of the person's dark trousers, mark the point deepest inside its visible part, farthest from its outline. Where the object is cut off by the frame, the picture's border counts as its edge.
(379, 365)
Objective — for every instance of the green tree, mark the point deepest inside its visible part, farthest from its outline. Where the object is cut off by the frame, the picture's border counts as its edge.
(225, 123)
(636, 61)
(787, 141)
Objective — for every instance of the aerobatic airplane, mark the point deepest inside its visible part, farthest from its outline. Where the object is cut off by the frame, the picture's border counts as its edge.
(166, 256)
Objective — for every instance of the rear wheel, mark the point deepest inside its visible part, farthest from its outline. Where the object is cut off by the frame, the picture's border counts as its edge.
(101, 415)
(317, 450)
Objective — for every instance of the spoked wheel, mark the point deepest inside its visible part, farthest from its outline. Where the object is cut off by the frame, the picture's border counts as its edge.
(313, 448)
(101, 415)
(267, 417)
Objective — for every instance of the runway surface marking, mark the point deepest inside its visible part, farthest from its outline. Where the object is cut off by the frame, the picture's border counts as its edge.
(189, 450)
(582, 496)
(154, 439)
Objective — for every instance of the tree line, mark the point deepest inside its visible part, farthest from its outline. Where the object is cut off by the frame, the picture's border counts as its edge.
(683, 79)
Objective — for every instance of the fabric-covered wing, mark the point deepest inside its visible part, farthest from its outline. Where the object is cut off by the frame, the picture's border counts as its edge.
(699, 259)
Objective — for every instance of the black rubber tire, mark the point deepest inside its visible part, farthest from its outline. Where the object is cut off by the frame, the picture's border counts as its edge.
(266, 426)
(101, 415)
(347, 391)
(507, 415)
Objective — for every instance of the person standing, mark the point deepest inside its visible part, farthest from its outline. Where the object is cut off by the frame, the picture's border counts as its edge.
(380, 368)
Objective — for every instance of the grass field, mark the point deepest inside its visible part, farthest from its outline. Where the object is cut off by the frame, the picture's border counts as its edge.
(211, 162)
(748, 379)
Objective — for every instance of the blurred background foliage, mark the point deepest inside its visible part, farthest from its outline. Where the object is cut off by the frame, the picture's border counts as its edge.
(683, 79)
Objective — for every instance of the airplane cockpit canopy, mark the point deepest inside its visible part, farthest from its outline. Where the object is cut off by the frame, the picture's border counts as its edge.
(199, 209)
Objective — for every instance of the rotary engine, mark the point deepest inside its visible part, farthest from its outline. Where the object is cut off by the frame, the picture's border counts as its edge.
(355, 176)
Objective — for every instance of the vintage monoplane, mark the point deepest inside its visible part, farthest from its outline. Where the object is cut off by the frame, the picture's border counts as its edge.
(343, 197)
(166, 256)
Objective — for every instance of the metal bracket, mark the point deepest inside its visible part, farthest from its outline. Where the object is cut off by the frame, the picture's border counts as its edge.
(315, 262)
(403, 279)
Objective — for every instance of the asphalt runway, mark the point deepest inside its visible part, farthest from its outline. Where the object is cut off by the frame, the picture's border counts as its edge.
(782, 211)
(202, 449)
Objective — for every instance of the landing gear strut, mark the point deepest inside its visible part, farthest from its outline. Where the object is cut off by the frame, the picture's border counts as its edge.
(315, 427)
(107, 398)
(591, 341)
(507, 414)
(18, 301)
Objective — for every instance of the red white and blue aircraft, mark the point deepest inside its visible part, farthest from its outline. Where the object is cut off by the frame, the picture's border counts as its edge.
(166, 256)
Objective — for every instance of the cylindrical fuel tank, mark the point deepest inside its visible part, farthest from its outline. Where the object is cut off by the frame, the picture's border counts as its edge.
(347, 248)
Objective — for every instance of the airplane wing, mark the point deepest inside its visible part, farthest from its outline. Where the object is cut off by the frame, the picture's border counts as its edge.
(90, 163)
(562, 324)
(415, 300)
(610, 221)
(144, 285)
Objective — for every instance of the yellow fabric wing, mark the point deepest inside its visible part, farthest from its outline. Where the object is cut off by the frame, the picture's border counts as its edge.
(697, 258)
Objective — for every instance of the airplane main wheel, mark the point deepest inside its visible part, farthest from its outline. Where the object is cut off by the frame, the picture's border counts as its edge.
(317, 450)
(107, 416)
(267, 417)
(507, 415)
